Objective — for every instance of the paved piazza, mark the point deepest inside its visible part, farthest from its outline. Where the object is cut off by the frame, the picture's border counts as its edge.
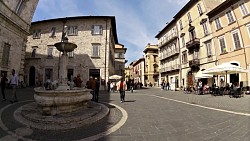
(147, 115)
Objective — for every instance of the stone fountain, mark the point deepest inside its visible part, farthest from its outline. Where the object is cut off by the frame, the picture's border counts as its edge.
(63, 107)
(62, 99)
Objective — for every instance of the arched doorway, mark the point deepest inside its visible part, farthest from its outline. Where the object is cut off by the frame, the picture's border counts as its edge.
(32, 78)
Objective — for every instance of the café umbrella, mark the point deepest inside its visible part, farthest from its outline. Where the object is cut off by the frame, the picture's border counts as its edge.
(225, 69)
(116, 77)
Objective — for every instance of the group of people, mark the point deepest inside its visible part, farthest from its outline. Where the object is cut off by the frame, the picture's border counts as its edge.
(165, 85)
(13, 83)
(120, 86)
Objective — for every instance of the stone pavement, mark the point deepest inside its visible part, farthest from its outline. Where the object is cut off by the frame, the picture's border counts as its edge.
(152, 115)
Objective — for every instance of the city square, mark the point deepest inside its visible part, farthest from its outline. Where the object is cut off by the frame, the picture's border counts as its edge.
(175, 70)
(147, 114)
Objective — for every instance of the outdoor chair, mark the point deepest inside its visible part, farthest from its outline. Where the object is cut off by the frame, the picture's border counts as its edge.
(247, 91)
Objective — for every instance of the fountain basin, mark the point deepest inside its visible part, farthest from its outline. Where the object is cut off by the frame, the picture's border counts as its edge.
(65, 46)
(54, 102)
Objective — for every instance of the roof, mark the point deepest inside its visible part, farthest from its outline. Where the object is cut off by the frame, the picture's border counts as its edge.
(137, 61)
(221, 7)
(120, 47)
(165, 28)
(150, 47)
(185, 8)
(113, 22)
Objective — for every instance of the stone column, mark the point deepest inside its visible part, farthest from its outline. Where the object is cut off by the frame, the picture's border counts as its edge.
(63, 73)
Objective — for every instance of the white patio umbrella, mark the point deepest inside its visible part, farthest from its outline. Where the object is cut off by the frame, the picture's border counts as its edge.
(200, 75)
(116, 77)
(224, 69)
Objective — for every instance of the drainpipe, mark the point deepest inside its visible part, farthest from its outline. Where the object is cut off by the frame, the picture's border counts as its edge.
(105, 56)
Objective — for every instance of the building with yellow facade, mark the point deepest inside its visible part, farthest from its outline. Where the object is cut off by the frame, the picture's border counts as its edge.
(151, 72)
(196, 48)
(230, 23)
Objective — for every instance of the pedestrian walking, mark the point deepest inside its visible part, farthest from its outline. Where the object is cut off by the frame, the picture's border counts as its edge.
(122, 87)
(4, 80)
(91, 84)
(96, 96)
(108, 84)
(14, 84)
(168, 86)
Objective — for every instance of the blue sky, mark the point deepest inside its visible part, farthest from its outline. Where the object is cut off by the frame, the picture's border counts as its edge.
(137, 21)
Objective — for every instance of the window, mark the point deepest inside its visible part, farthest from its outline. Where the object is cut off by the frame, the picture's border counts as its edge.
(236, 39)
(19, 6)
(192, 34)
(209, 50)
(95, 52)
(70, 54)
(248, 29)
(72, 30)
(53, 32)
(222, 44)
(243, 9)
(33, 54)
(230, 16)
(189, 17)
(217, 23)
(204, 25)
(196, 52)
(120, 55)
(199, 9)
(184, 57)
(50, 51)
(5, 55)
(180, 23)
(96, 29)
(37, 34)
(183, 41)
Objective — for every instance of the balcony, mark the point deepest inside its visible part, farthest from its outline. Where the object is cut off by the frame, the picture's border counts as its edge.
(168, 39)
(194, 63)
(170, 54)
(194, 43)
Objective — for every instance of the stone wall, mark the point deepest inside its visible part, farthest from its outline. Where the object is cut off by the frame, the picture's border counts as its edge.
(82, 61)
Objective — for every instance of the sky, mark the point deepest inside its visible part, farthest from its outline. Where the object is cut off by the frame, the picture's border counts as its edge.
(137, 21)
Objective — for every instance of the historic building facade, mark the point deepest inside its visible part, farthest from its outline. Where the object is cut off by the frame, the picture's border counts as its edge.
(15, 20)
(137, 71)
(230, 23)
(151, 71)
(196, 48)
(120, 61)
(95, 37)
(169, 54)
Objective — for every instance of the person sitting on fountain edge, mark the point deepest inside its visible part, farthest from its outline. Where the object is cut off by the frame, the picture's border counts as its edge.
(78, 81)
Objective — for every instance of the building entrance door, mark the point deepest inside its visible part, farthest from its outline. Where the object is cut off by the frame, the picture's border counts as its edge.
(32, 76)
(95, 73)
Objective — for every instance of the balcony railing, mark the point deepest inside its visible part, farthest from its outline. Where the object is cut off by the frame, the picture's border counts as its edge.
(168, 39)
(170, 68)
(170, 54)
(194, 63)
(193, 43)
